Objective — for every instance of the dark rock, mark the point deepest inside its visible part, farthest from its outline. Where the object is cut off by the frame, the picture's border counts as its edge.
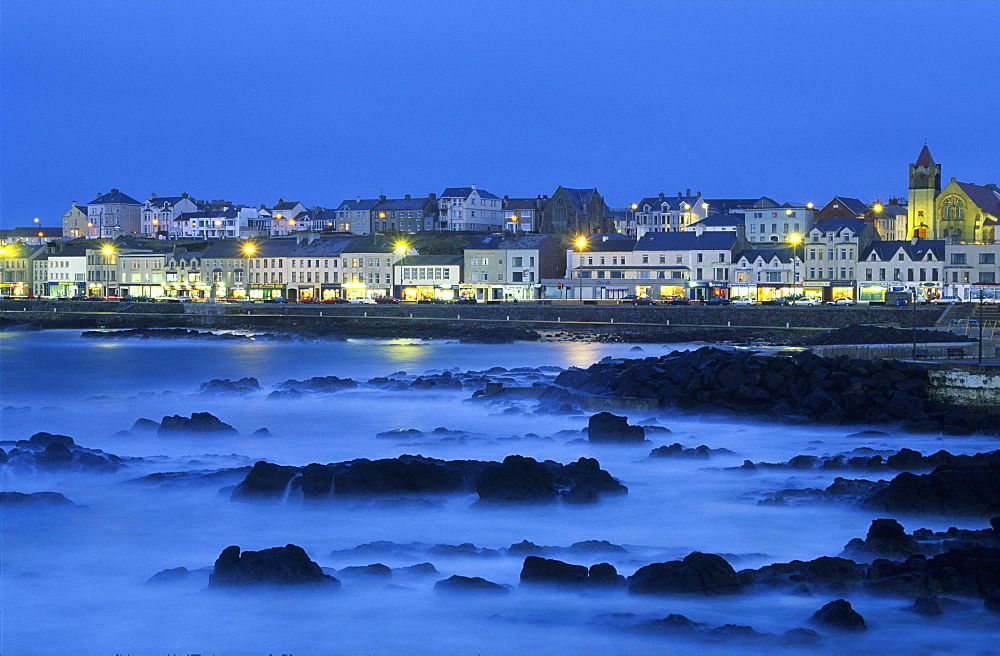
(552, 572)
(375, 570)
(261, 432)
(279, 566)
(607, 428)
(524, 547)
(604, 575)
(169, 576)
(406, 474)
(886, 538)
(198, 422)
(469, 585)
(144, 425)
(697, 572)
(517, 480)
(45, 439)
(968, 491)
(34, 499)
(928, 606)
(317, 481)
(226, 386)
(265, 481)
(801, 637)
(595, 546)
(825, 571)
(840, 615)
(422, 569)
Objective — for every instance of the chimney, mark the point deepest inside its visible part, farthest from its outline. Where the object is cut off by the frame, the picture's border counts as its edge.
(432, 196)
(152, 197)
(473, 186)
(688, 193)
(115, 191)
(406, 196)
(185, 195)
(680, 195)
(381, 197)
(359, 199)
(661, 195)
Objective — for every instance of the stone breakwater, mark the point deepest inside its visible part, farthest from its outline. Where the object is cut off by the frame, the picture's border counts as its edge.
(799, 387)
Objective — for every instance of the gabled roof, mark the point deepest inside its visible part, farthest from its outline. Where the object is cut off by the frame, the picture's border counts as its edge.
(766, 254)
(608, 241)
(670, 202)
(986, 198)
(161, 201)
(114, 197)
(725, 205)
(686, 241)
(465, 192)
(720, 220)
(368, 245)
(857, 207)
(285, 205)
(924, 158)
(358, 204)
(47, 233)
(579, 197)
(916, 252)
(836, 225)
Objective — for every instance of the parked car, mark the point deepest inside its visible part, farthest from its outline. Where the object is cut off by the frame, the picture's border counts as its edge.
(843, 300)
(948, 299)
(805, 300)
(334, 301)
(432, 301)
(363, 300)
(386, 300)
(678, 300)
(465, 300)
(717, 300)
(743, 300)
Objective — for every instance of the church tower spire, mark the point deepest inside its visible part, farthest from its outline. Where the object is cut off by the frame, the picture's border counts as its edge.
(925, 185)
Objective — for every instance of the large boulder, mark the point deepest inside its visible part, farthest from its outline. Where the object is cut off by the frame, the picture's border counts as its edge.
(517, 480)
(963, 491)
(611, 429)
(469, 585)
(552, 572)
(265, 481)
(839, 614)
(317, 481)
(279, 566)
(406, 474)
(227, 386)
(886, 538)
(34, 499)
(696, 573)
(198, 422)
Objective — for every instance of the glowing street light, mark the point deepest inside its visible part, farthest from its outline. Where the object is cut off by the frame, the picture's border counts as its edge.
(795, 239)
(581, 245)
(249, 249)
(877, 207)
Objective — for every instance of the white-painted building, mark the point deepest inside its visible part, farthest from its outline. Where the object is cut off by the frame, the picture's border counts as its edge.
(470, 208)
(113, 214)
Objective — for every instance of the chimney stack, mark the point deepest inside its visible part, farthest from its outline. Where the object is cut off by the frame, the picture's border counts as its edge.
(688, 194)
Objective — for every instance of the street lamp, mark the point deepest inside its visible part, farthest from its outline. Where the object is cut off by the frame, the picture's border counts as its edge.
(581, 245)
(108, 251)
(248, 249)
(795, 239)
(400, 248)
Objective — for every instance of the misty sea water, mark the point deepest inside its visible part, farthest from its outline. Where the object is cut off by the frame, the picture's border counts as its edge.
(74, 580)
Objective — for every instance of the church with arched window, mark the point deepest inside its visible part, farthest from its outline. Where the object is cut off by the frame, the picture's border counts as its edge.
(961, 213)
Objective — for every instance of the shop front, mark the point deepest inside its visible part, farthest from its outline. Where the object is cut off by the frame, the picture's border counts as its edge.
(673, 290)
(330, 290)
(842, 289)
(353, 290)
(152, 291)
(872, 292)
(66, 289)
(743, 291)
(266, 291)
(431, 292)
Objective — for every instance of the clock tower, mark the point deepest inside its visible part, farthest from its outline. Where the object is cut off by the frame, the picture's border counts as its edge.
(925, 185)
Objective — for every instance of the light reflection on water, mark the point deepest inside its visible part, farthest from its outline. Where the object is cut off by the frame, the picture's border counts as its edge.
(74, 581)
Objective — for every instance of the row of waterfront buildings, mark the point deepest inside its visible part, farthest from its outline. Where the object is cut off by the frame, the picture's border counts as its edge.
(937, 241)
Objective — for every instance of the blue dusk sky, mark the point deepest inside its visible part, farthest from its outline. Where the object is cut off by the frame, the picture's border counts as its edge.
(318, 101)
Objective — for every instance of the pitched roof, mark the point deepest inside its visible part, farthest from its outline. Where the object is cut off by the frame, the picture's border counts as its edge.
(402, 204)
(925, 159)
(358, 204)
(857, 207)
(886, 250)
(285, 205)
(986, 198)
(608, 241)
(767, 254)
(686, 241)
(721, 220)
(161, 201)
(671, 202)
(525, 203)
(114, 197)
(465, 192)
(836, 225)
(50, 233)
(725, 205)
(579, 197)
